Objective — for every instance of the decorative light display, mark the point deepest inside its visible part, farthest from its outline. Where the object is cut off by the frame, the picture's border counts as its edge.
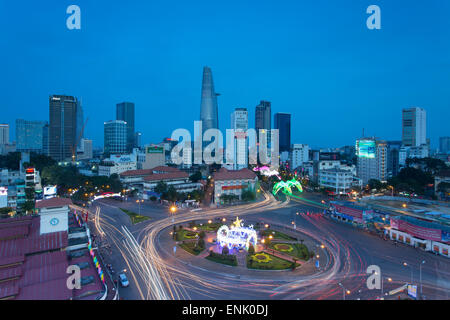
(266, 171)
(287, 186)
(237, 236)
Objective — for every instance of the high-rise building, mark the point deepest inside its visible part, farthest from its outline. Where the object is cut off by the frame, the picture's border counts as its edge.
(414, 127)
(115, 137)
(85, 152)
(444, 144)
(125, 112)
(137, 139)
(263, 115)
(393, 157)
(371, 159)
(208, 106)
(283, 124)
(239, 122)
(31, 136)
(63, 114)
(4, 134)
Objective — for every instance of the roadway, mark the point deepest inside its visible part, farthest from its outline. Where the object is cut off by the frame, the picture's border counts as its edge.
(156, 273)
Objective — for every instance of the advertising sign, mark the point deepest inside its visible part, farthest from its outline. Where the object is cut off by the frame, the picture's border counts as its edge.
(3, 197)
(50, 192)
(412, 291)
(416, 230)
(366, 149)
(155, 149)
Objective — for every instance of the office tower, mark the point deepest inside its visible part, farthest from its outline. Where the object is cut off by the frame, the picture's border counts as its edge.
(444, 144)
(31, 136)
(283, 124)
(137, 139)
(4, 134)
(263, 115)
(45, 140)
(300, 155)
(414, 127)
(80, 123)
(371, 159)
(63, 111)
(393, 157)
(239, 122)
(115, 136)
(125, 112)
(208, 107)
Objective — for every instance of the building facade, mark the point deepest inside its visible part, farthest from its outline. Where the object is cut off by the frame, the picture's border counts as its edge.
(125, 111)
(63, 127)
(371, 159)
(31, 136)
(283, 124)
(239, 122)
(414, 127)
(299, 155)
(208, 105)
(115, 137)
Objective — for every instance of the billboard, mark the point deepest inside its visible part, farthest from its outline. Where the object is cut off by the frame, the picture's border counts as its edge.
(155, 149)
(3, 197)
(417, 231)
(50, 192)
(412, 291)
(366, 149)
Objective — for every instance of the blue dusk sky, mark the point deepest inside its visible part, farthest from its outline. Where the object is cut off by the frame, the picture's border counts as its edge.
(314, 59)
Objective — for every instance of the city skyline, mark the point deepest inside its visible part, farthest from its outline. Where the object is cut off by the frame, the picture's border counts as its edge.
(366, 76)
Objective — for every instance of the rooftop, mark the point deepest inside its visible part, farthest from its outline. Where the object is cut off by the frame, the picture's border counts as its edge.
(224, 174)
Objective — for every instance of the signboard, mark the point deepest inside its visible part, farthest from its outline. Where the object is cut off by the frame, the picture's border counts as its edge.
(50, 192)
(416, 231)
(366, 149)
(3, 197)
(155, 149)
(412, 291)
(317, 264)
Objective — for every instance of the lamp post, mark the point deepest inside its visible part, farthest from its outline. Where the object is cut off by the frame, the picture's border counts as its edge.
(139, 201)
(344, 291)
(420, 272)
(405, 264)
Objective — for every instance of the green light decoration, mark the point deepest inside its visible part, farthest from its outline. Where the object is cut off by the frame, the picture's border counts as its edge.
(287, 186)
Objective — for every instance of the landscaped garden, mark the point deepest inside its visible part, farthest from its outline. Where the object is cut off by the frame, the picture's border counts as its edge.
(135, 218)
(192, 247)
(228, 259)
(183, 234)
(276, 235)
(266, 261)
(297, 250)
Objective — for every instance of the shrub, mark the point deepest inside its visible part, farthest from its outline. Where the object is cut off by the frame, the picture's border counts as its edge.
(225, 250)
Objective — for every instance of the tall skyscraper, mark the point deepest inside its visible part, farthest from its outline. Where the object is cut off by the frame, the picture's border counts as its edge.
(63, 113)
(115, 137)
(283, 124)
(31, 136)
(414, 127)
(393, 157)
(125, 112)
(4, 134)
(444, 144)
(239, 122)
(263, 115)
(208, 107)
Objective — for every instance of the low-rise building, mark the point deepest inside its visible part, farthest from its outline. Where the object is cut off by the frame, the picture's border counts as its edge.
(339, 180)
(233, 182)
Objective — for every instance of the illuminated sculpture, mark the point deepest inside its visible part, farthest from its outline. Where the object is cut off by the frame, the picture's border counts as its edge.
(266, 171)
(237, 236)
(287, 186)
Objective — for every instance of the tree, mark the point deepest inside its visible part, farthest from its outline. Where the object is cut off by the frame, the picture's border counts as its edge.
(161, 187)
(251, 249)
(225, 250)
(172, 194)
(201, 244)
(196, 176)
(202, 234)
(375, 184)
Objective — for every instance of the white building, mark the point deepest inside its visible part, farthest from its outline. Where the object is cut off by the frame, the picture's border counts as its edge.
(239, 122)
(371, 159)
(299, 155)
(414, 127)
(117, 164)
(337, 179)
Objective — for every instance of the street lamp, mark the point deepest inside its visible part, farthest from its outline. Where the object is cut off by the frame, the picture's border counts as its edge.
(344, 291)
(420, 269)
(405, 264)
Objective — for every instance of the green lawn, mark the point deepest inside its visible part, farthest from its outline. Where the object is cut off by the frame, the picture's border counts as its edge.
(297, 250)
(190, 246)
(273, 263)
(227, 259)
(135, 218)
(276, 235)
(184, 234)
(209, 227)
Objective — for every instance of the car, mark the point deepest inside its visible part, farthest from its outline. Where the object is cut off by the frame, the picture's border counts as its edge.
(123, 280)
